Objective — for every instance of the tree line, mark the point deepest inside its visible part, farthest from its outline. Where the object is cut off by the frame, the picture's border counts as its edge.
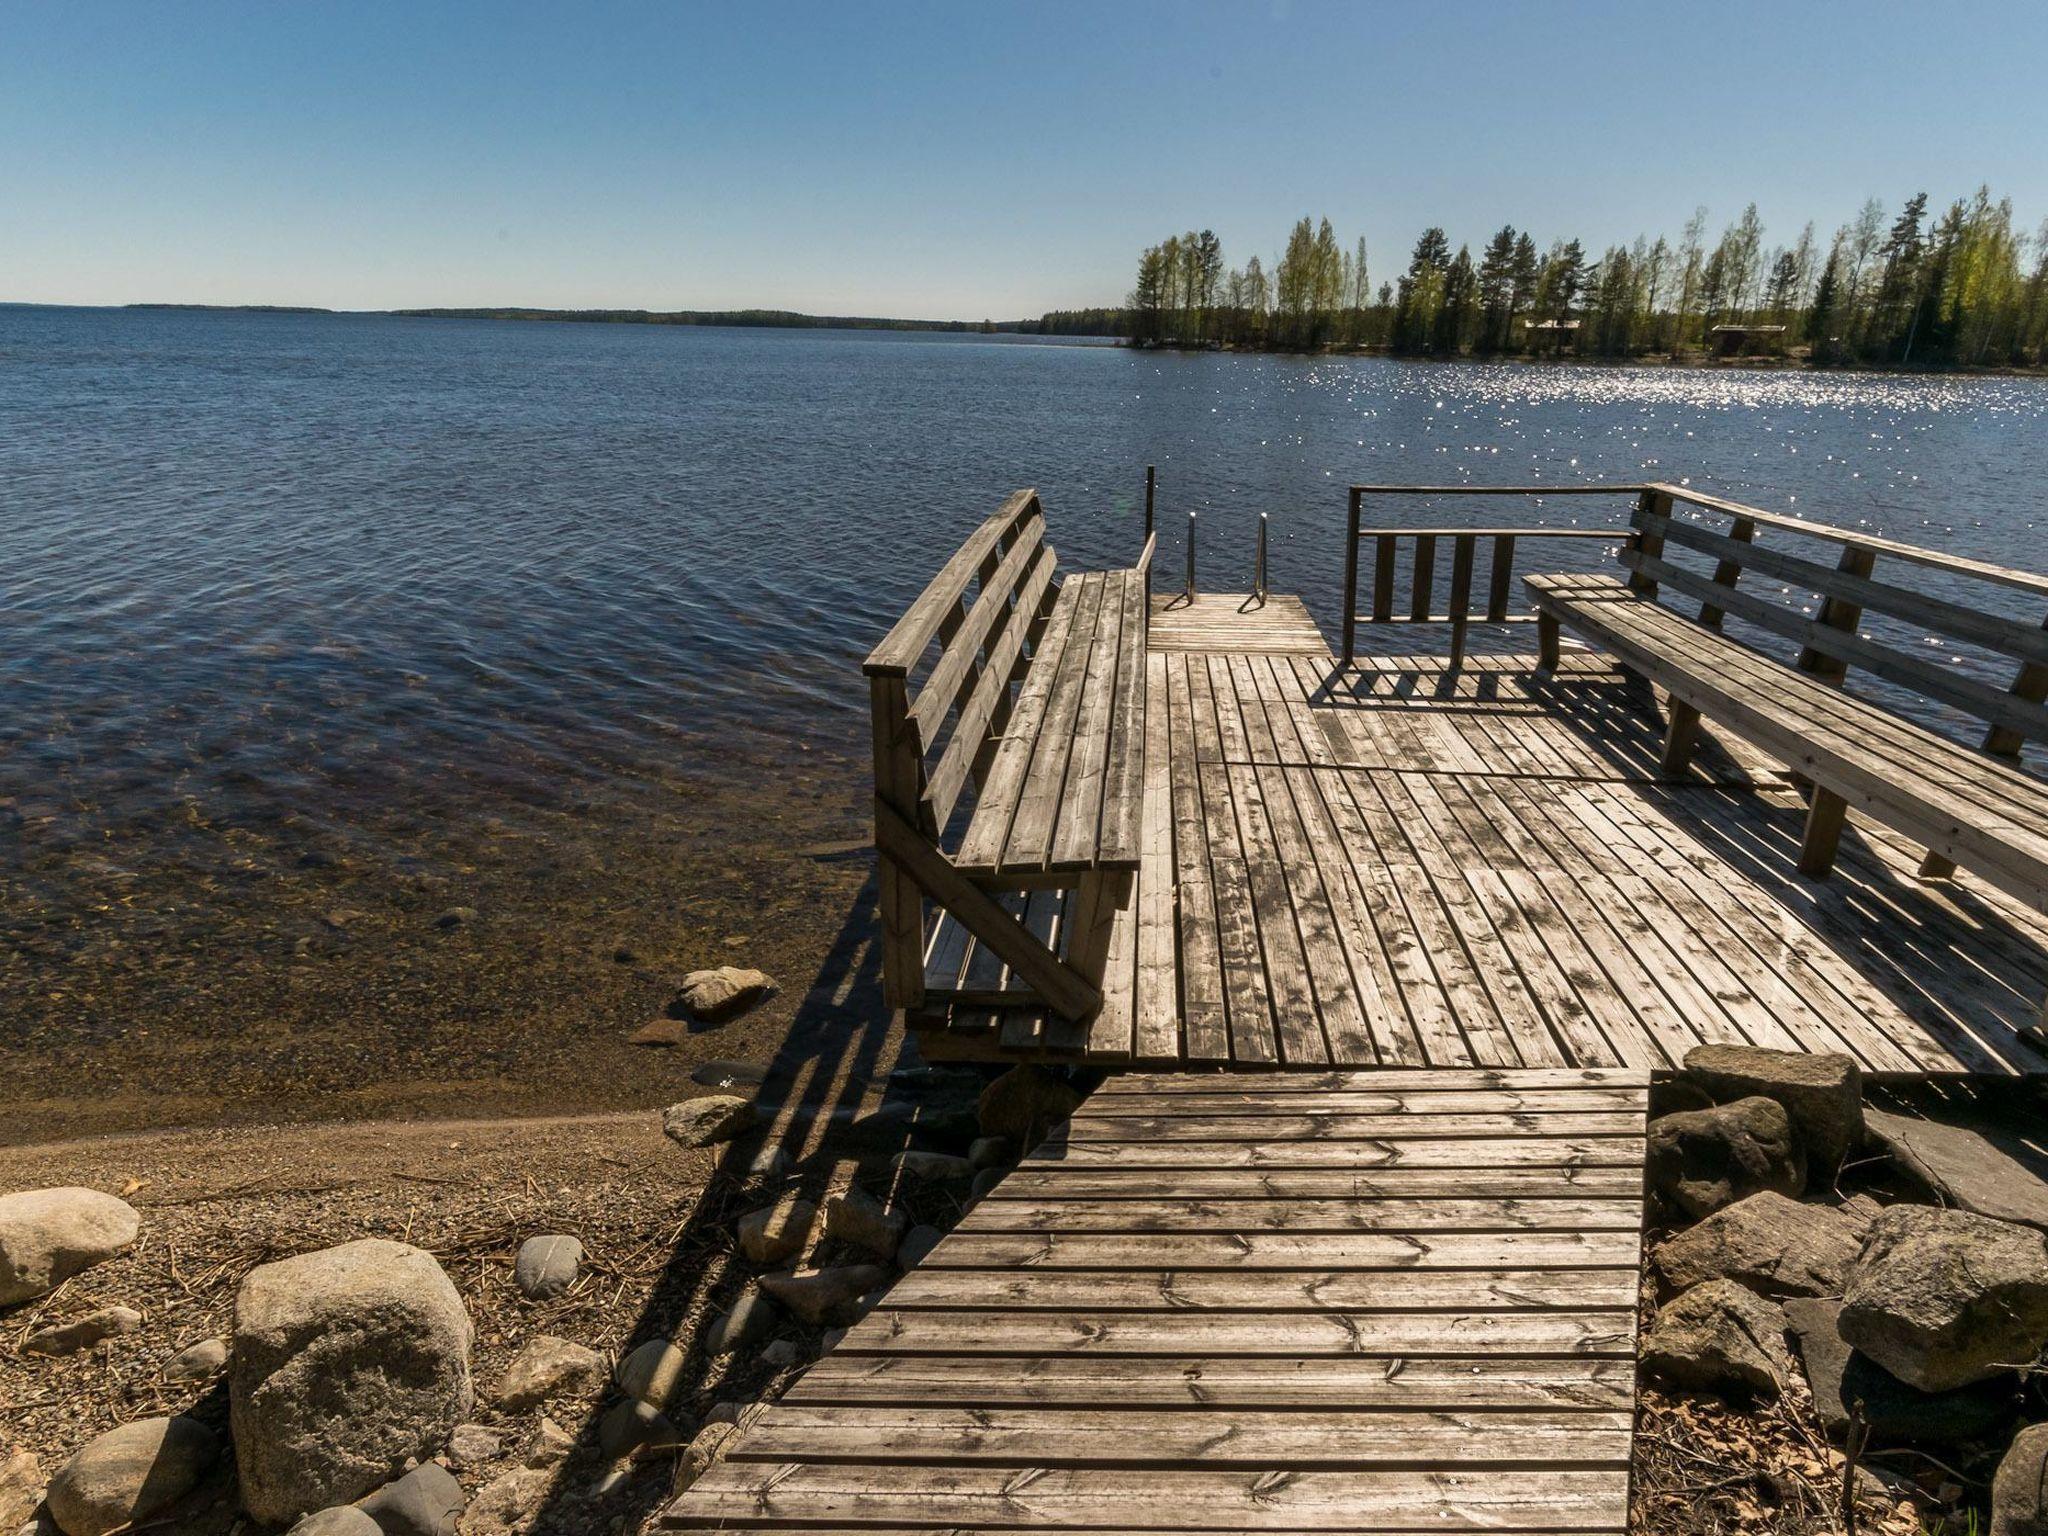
(1959, 288)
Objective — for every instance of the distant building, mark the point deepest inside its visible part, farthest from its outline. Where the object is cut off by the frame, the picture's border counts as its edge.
(1754, 340)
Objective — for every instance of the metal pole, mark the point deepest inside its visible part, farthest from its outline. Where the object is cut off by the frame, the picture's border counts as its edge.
(1191, 557)
(1351, 577)
(1259, 571)
(1151, 477)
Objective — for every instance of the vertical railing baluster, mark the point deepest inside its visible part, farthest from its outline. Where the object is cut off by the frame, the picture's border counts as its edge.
(1383, 552)
(1728, 572)
(1425, 577)
(1838, 613)
(1500, 583)
(1461, 593)
(1351, 577)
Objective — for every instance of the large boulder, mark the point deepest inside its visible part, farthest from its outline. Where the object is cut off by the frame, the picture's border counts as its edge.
(1720, 1337)
(1775, 1246)
(1980, 1171)
(1944, 1298)
(2019, 1490)
(1895, 1413)
(347, 1363)
(1822, 1094)
(1700, 1160)
(130, 1473)
(1024, 1103)
(49, 1235)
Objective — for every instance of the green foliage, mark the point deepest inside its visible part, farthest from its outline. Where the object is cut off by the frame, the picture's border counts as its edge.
(1961, 290)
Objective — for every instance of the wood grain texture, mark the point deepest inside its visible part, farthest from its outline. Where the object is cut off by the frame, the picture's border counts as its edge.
(1097, 1358)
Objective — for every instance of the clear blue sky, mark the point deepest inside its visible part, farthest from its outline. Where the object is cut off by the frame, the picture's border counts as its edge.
(947, 160)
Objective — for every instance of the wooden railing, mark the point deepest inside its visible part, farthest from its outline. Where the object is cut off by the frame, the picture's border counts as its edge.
(1458, 610)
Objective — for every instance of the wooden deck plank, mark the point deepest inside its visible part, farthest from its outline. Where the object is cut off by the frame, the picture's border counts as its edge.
(1228, 1350)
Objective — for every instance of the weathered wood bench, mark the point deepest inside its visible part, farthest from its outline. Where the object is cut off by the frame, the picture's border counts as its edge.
(1973, 808)
(1009, 761)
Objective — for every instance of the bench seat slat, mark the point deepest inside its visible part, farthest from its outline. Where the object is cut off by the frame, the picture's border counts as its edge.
(2000, 792)
(1959, 803)
(989, 832)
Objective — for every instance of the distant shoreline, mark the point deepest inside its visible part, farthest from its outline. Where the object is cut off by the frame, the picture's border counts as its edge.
(768, 319)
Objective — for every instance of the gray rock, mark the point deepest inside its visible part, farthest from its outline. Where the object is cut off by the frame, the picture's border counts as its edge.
(781, 1354)
(933, 1167)
(984, 1183)
(1944, 1298)
(547, 1367)
(917, 1246)
(629, 1426)
(346, 1363)
(1822, 1094)
(506, 1500)
(547, 1265)
(650, 1372)
(551, 1445)
(49, 1235)
(2019, 1490)
(768, 1165)
(715, 996)
(854, 1216)
(129, 1473)
(1896, 1413)
(707, 1121)
(1774, 1246)
(1965, 1167)
(455, 917)
(21, 1488)
(1720, 1337)
(776, 1232)
(824, 1295)
(337, 1520)
(1703, 1159)
(82, 1332)
(991, 1152)
(752, 1318)
(198, 1362)
(1024, 1103)
(703, 1451)
(471, 1445)
(424, 1502)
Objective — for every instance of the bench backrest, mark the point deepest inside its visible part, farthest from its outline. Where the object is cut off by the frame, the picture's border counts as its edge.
(1837, 566)
(942, 681)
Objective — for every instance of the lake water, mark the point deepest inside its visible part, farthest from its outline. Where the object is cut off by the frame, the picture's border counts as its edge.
(298, 610)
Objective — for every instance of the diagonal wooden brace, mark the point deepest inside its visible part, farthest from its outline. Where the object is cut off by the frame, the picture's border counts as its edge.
(1060, 984)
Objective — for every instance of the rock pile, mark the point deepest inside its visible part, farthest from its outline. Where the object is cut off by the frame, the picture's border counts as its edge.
(1914, 1319)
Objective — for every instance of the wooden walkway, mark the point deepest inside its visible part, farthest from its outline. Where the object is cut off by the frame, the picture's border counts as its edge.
(1402, 863)
(1382, 1301)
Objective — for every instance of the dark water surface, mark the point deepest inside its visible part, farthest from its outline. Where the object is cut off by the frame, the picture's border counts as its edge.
(313, 628)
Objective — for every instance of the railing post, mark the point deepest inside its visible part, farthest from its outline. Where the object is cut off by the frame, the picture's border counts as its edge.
(1151, 480)
(1191, 557)
(1351, 576)
(1259, 566)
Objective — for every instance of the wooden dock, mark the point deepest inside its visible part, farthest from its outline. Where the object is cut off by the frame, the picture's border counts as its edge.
(1380, 1301)
(1402, 862)
(1408, 934)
